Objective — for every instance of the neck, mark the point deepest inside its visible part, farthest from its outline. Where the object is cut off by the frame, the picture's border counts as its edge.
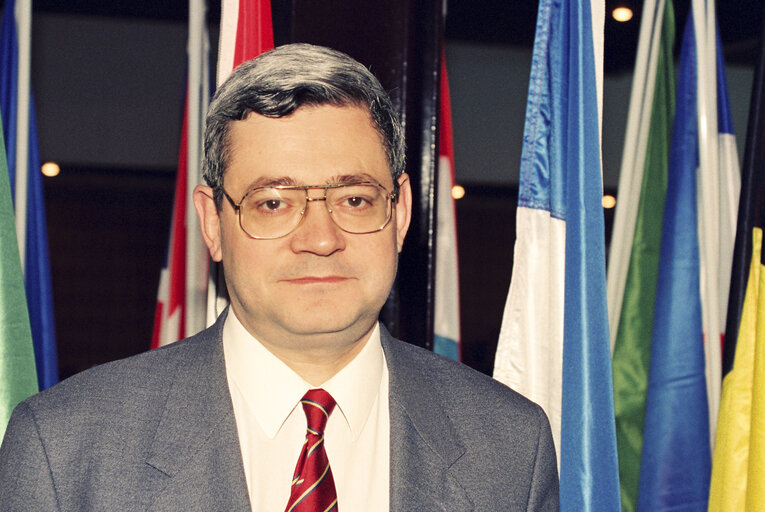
(318, 370)
(318, 366)
(318, 357)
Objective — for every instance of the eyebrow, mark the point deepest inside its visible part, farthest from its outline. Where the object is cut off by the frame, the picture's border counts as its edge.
(274, 181)
(271, 181)
(352, 178)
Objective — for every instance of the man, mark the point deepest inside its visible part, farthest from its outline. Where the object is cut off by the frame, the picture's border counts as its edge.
(307, 208)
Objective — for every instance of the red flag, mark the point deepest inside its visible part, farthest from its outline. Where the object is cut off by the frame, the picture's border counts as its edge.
(170, 314)
(246, 31)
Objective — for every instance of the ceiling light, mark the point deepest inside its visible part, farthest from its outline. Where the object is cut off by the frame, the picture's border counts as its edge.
(622, 14)
(50, 169)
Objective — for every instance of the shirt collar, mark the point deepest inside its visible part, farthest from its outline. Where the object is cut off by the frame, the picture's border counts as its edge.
(356, 387)
(272, 389)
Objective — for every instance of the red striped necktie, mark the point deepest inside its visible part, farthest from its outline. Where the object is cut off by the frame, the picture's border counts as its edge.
(313, 488)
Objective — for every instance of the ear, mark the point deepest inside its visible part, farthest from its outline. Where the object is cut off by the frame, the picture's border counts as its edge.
(403, 209)
(209, 220)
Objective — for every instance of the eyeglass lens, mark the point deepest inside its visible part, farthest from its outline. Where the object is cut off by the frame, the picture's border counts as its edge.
(274, 212)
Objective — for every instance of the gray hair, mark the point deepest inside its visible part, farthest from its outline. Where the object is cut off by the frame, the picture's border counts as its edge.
(280, 81)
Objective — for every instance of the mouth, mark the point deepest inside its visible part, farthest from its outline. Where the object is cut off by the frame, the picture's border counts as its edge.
(317, 280)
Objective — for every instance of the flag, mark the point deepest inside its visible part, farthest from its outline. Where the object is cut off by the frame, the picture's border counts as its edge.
(18, 378)
(675, 463)
(651, 113)
(738, 478)
(633, 274)
(246, 31)
(170, 313)
(37, 277)
(738, 471)
(446, 324)
(554, 344)
(182, 295)
(728, 189)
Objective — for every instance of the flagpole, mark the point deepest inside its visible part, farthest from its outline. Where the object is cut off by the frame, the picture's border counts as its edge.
(24, 29)
(712, 222)
(196, 262)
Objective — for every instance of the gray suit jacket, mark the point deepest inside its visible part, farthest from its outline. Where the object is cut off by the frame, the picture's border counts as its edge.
(156, 432)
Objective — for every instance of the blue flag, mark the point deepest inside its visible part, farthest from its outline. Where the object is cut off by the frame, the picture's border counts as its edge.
(675, 465)
(554, 346)
(37, 276)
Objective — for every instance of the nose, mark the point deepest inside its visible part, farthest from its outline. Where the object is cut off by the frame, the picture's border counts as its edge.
(317, 233)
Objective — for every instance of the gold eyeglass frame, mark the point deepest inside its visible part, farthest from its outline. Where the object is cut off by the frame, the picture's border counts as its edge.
(389, 196)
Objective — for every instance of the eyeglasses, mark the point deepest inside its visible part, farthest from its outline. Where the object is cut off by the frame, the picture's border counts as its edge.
(266, 213)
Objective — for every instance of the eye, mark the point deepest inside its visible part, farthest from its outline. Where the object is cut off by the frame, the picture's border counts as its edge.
(356, 201)
(267, 202)
(272, 204)
(356, 198)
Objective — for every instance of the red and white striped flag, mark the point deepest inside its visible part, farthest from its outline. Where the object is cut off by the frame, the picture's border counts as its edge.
(182, 295)
(170, 314)
(246, 31)
(446, 323)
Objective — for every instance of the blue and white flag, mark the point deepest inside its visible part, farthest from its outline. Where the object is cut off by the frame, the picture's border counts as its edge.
(554, 345)
(36, 263)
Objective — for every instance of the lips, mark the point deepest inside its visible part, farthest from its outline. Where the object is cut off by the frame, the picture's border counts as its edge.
(317, 280)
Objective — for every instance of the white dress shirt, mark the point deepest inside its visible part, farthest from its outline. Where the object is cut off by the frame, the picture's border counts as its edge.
(272, 426)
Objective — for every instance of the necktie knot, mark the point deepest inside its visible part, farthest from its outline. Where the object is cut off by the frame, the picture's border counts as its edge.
(317, 405)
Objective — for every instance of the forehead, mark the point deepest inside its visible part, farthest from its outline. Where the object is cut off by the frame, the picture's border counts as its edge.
(310, 146)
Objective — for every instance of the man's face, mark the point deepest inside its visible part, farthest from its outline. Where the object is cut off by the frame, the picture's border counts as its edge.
(317, 287)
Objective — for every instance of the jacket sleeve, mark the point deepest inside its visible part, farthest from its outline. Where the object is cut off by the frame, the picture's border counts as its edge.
(544, 493)
(26, 482)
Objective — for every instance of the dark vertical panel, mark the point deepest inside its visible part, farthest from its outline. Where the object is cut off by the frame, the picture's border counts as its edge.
(416, 281)
(374, 32)
(399, 41)
(281, 17)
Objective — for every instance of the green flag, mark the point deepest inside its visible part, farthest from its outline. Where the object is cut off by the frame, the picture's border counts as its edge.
(18, 377)
(632, 346)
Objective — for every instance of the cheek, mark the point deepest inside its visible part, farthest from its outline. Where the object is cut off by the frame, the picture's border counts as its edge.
(244, 263)
(380, 260)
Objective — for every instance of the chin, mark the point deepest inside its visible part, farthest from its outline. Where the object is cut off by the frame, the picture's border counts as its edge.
(329, 323)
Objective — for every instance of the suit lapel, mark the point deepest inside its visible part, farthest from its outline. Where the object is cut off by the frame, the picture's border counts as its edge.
(196, 444)
(423, 445)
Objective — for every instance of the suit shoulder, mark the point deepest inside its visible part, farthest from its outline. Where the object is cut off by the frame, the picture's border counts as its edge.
(457, 383)
(506, 456)
(122, 381)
